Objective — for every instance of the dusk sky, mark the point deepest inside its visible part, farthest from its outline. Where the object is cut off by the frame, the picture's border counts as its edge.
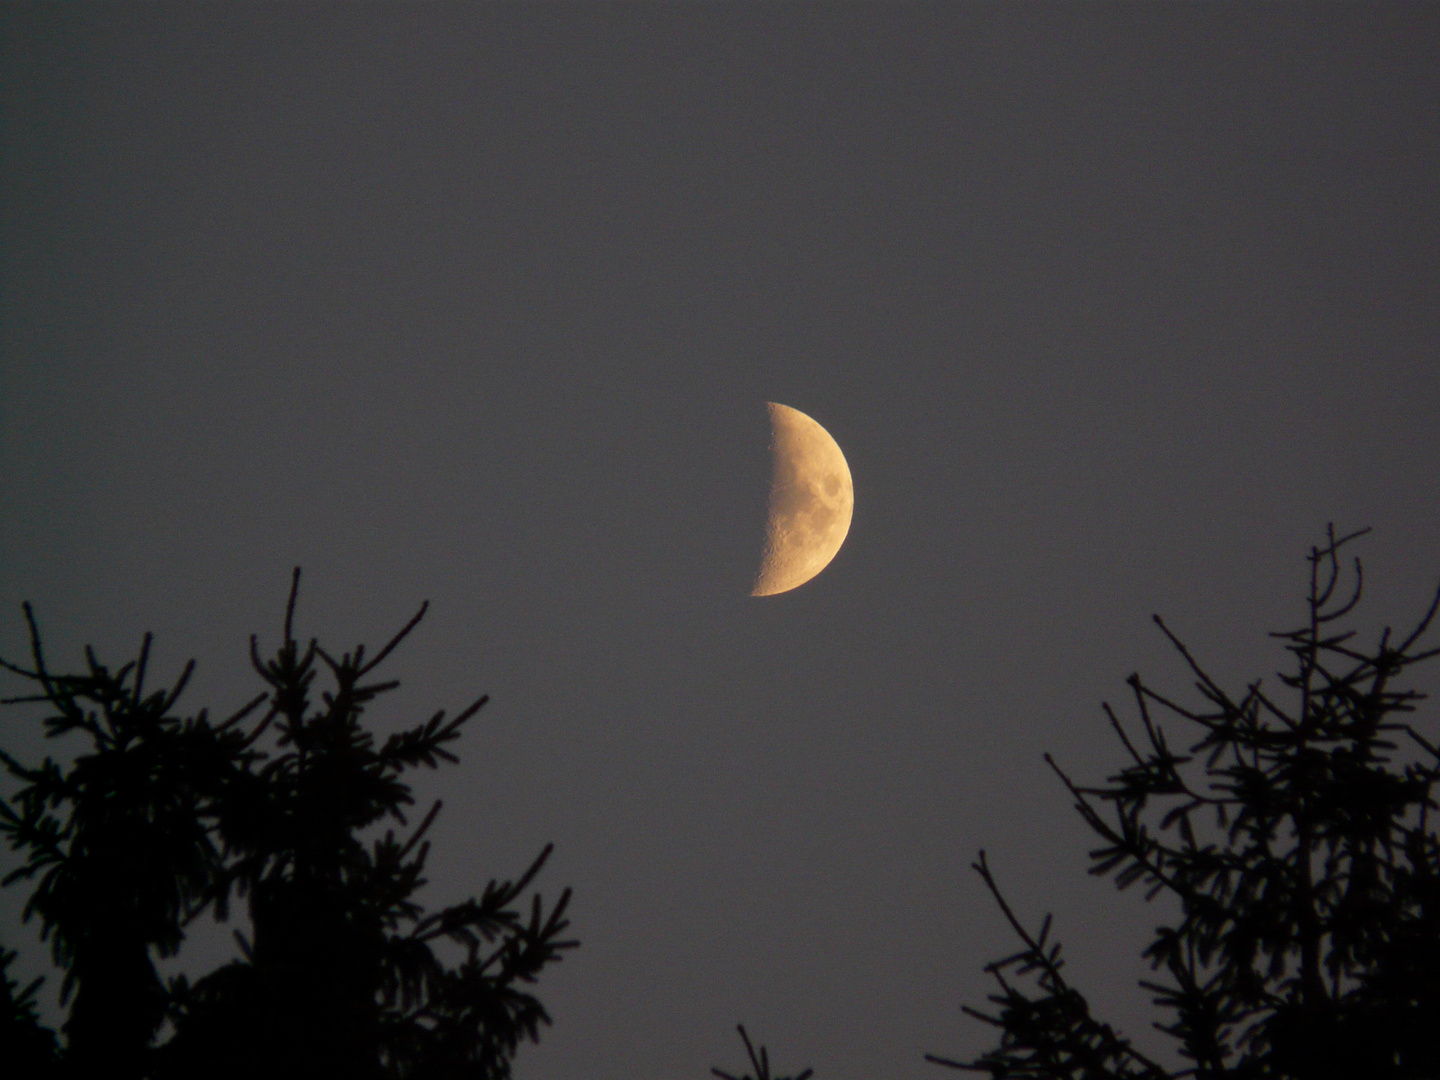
(1110, 307)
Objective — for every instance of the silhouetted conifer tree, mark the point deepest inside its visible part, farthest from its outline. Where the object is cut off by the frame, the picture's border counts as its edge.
(1294, 829)
(343, 974)
(119, 844)
(346, 973)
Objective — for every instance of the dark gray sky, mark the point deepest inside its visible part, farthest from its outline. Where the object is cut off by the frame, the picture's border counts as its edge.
(1111, 309)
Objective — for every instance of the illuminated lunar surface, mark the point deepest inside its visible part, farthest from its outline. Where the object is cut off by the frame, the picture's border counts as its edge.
(811, 502)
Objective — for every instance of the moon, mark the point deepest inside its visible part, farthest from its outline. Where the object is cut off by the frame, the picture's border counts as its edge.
(811, 502)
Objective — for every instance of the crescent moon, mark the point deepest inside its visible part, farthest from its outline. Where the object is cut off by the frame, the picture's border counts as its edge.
(811, 502)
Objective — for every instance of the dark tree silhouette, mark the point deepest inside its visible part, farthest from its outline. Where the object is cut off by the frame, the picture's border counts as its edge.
(27, 1047)
(120, 844)
(346, 973)
(760, 1062)
(1295, 832)
(343, 975)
